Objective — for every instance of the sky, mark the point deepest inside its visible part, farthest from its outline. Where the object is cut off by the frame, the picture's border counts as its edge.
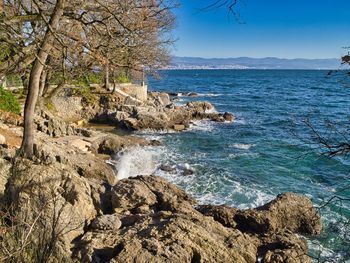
(266, 28)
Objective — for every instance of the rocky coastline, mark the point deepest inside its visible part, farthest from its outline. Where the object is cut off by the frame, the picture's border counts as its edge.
(69, 192)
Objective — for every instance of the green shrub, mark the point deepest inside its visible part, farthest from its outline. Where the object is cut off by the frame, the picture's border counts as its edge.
(8, 102)
(123, 78)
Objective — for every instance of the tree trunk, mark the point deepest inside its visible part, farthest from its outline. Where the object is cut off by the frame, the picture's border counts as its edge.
(47, 82)
(42, 82)
(34, 80)
(107, 77)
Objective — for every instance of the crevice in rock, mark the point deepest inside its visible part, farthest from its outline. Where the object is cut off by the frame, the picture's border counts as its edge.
(196, 257)
(108, 253)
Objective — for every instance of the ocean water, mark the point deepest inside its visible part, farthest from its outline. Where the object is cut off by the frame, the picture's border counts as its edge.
(266, 151)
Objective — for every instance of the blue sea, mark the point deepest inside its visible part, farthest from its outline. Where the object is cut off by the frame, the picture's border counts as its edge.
(269, 149)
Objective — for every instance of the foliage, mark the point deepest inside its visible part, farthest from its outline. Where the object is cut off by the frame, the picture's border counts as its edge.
(123, 78)
(50, 106)
(8, 102)
(13, 80)
(83, 89)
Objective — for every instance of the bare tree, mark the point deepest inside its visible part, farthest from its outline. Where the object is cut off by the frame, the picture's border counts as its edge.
(42, 36)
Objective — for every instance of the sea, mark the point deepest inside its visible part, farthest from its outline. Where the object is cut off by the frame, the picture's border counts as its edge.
(284, 118)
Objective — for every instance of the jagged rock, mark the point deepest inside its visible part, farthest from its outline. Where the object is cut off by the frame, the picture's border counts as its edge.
(159, 224)
(106, 222)
(223, 214)
(288, 211)
(51, 199)
(173, 231)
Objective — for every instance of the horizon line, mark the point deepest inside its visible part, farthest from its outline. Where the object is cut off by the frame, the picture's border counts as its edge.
(253, 57)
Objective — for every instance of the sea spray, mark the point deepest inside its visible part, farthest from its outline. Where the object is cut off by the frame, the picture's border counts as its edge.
(136, 161)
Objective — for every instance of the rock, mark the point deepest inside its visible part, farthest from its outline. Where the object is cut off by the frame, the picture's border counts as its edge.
(81, 144)
(164, 99)
(11, 118)
(200, 106)
(228, 116)
(187, 172)
(167, 168)
(223, 214)
(4, 174)
(130, 194)
(106, 222)
(2, 139)
(81, 122)
(151, 191)
(179, 127)
(111, 144)
(288, 211)
(192, 94)
(51, 199)
(179, 234)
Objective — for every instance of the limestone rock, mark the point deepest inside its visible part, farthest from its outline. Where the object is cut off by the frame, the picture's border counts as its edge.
(288, 211)
(160, 224)
(55, 198)
(111, 144)
(200, 106)
(106, 222)
(223, 214)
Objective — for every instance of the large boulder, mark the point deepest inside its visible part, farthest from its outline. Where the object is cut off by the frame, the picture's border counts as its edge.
(53, 200)
(288, 211)
(111, 144)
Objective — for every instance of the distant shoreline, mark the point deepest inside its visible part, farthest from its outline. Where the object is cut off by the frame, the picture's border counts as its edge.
(321, 69)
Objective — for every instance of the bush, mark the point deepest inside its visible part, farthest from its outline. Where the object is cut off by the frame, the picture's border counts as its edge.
(8, 102)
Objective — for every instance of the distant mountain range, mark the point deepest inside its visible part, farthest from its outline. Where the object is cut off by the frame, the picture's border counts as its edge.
(253, 63)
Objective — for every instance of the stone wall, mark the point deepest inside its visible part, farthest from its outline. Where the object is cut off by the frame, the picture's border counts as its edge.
(137, 91)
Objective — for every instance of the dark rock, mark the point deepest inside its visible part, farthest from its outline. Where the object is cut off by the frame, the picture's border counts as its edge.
(167, 168)
(228, 116)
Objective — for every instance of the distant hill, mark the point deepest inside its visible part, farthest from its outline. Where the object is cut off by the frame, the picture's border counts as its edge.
(252, 63)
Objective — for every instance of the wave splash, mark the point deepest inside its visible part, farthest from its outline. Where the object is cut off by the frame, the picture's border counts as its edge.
(136, 161)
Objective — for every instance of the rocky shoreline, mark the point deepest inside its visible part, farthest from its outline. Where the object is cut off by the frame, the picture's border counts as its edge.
(70, 192)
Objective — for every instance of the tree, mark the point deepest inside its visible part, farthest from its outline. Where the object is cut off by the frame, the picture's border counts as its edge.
(76, 36)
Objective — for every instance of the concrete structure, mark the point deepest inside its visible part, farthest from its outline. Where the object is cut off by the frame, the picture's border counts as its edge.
(136, 91)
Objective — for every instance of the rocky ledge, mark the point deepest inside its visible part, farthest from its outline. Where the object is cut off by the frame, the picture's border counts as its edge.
(147, 219)
(159, 112)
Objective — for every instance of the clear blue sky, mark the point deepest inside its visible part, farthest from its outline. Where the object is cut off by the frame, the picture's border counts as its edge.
(272, 28)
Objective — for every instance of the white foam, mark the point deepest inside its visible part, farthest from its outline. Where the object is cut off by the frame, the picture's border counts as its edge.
(136, 161)
(242, 146)
(201, 125)
(154, 131)
(210, 94)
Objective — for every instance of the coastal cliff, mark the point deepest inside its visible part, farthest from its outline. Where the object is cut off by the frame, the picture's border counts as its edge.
(72, 203)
